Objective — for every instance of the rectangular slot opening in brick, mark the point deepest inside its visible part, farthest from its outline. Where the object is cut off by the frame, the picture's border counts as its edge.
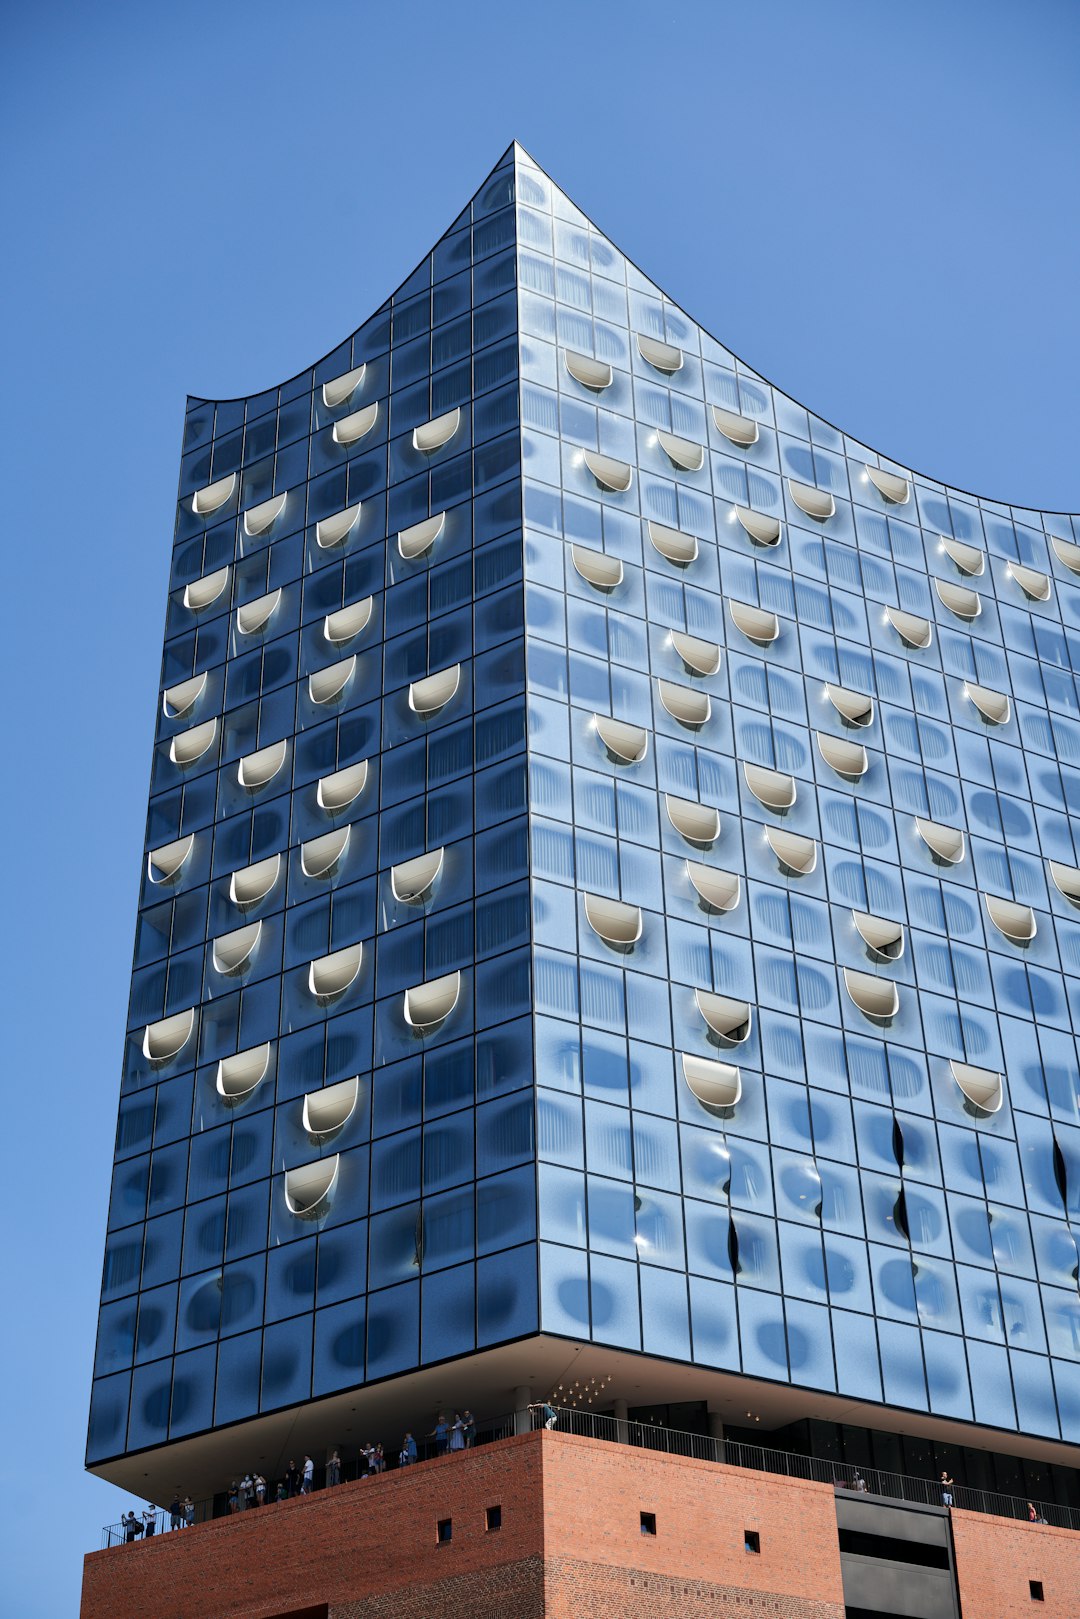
(444, 1531)
(493, 1518)
(1035, 1587)
(751, 1540)
(648, 1523)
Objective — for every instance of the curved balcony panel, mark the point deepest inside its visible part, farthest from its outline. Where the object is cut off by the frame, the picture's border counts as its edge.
(700, 657)
(416, 540)
(947, 844)
(336, 792)
(329, 1110)
(594, 374)
(982, 1087)
(758, 624)
(729, 1020)
(672, 543)
(351, 429)
(347, 622)
(968, 558)
(187, 747)
(762, 530)
(261, 518)
(429, 1004)
(994, 706)
(233, 951)
(912, 630)
(853, 707)
(427, 696)
(254, 616)
(239, 1075)
(890, 485)
(876, 998)
(1066, 880)
(178, 700)
(1035, 585)
(612, 920)
(213, 496)
(1067, 554)
(204, 592)
(717, 1085)
(718, 890)
(609, 473)
(883, 937)
(681, 452)
(252, 883)
(330, 976)
(958, 599)
(164, 863)
(736, 429)
(661, 356)
(413, 880)
(848, 759)
(319, 856)
(166, 1039)
(326, 684)
(331, 531)
(431, 436)
(773, 788)
(309, 1189)
(794, 852)
(684, 703)
(627, 744)
(816, 503)
(339, 389)
(697, 823)
(1014, 921)
(597, 568)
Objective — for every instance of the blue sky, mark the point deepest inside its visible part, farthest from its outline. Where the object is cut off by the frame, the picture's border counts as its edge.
(872, 204)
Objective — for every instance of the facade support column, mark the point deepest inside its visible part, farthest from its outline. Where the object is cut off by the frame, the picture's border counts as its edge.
(623, 1429)
(522, 1401)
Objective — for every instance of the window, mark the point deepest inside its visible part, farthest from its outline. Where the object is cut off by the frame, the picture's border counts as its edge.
(752, 1540)
(648, 1523)
(493, 1518)
(1035, 1588)
(444, 1531)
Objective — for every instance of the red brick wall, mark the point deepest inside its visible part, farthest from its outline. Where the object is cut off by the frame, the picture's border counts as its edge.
(996, 1557)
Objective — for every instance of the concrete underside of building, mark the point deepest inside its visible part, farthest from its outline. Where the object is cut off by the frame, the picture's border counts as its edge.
(585, 1528)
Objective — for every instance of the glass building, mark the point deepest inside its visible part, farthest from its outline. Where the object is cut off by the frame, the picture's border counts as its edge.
(611, 906)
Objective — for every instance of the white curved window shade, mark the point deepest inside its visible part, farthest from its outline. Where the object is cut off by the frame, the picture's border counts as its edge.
(239, 1075)
(881, 935)
(427, 1005)
(326, 684)
(308, 1190)
(762, 530)
(773, 788)
(814, 502)
(627, 743)
(853, 706)
(684, 703)
(1035, 585)
(418, 538)
(737, 429)
(895, 489)
(715, 1084)
(994, 706)
(717, 890)
(351, 429)
(968, 558)
(233, 951)
(848, 759)
(338, 389)
(167, 1038)
(205, 591)
(412, 879)
(682, 452)
(673, 543)
(1014, 921)
(329, 1109)
(257, 519)
(697, 823)
(1066, 880)
(439, 431)
(331, 531)
(876, 998)
(982, 1087)
(256, 769)
(209, 499)
(594, 374)
(958, 599)
(319, 856)
(347, 622)
(728, 1019)
(427, 696)
(177, 700)
(912, 630)
(609, 473)
(164, 863)
(662, 356)
(796, 853)
(702, 657)
(1067, 554)
(255, 616)
(252, 883)
(946, 843)
(188, 746)
(336, 792)
(597, 568)
(330, 976)
(612, 920)
(756, 623)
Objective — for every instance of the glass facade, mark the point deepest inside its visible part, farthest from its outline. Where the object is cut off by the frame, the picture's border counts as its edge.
(609, 874)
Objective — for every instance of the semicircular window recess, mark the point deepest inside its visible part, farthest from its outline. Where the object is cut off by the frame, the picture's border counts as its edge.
(598, 569)
(758, 624)
(763, 530)
(618, 924)
(351, 429)
(672, 543)
(336, 792)
(729, 1020)
(594, 374)
(330, 976)
(1067, 553)
(912, 630)
(685, 703)
(214, 495)
(1014, 921)
(176, 701)
(413, 880)
(166, 1039)
(1066, 880)
(187, 747)
(309, 1189)
(958, 599)
(254, 616)
(627, 744)
(717, 890)
(681, 452)
(994, 706)
(853, 707)
(347, 622)
(716, 1085)
(609, 473)
(883, 938)
(661, 356)
(429, 1004)
(947, 844)
(890, 485)
(204, 592)
(848, 759)
(416, 540)
(164, 863)
(240, 1074)
(697, 823)
(816, 503)
(252, 883)
(968, 558)
(326, 684)
(427, 696)
(1035, 585)
(233, 951)
(700, 657)
(795, 853)
(431, 436)
(736, 429)
(258, 519)
(876, 998)
(319, 856)
(773, 788)
(982, 1087)
(329, 1110)
(331, 531)
(339, 389)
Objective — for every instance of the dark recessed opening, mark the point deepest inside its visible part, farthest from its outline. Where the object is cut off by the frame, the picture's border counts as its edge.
(751, 1540)
(445, 1531)
(493, 1518)
(1036, 1590)
(648, 1523)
